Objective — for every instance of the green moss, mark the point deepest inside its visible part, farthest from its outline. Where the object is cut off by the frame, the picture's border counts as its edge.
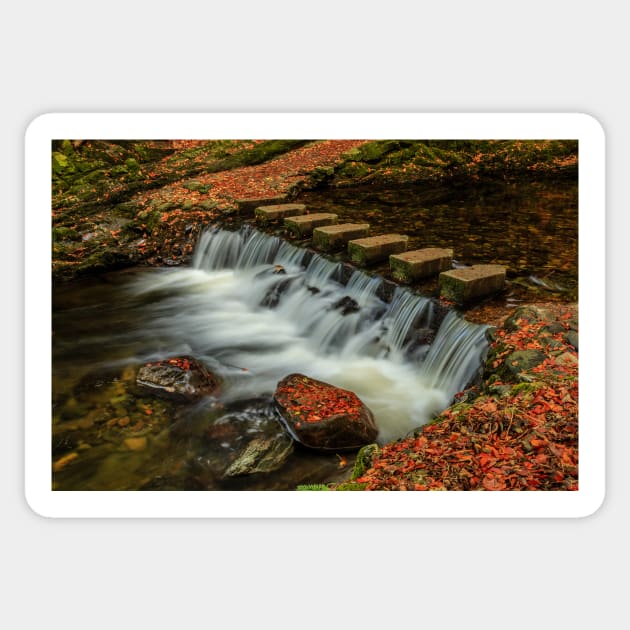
(65, 234)
(356, 253)
(103, 259)
(354, 170)
(364, 460)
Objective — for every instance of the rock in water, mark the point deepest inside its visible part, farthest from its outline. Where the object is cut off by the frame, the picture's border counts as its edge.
(182, 379)
(262, 455)
(322, 416)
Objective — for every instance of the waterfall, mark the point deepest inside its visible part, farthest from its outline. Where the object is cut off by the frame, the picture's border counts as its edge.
(256, 308)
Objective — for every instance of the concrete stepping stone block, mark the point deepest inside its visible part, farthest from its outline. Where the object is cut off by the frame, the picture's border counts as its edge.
(249, 204)
(420, 263)
(270, 214)
(302, 226)
(333, 237)
(468, 283)
(372, 249)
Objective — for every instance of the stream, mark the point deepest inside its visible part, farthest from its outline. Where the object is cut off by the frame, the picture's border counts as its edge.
(255, 308)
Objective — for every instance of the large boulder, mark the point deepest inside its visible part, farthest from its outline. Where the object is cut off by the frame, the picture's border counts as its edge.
(182, 379)
(322, 416)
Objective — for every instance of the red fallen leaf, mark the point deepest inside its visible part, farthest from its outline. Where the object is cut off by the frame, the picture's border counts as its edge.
(492, 483)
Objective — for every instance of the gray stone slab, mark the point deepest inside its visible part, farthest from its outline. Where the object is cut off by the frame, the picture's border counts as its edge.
(302, 226)
(364, 251)
(274, 212)
(333, 237)
(468, 283)
(420, 263)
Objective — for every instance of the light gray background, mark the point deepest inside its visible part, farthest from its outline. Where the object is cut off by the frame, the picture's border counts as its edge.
(324, 56)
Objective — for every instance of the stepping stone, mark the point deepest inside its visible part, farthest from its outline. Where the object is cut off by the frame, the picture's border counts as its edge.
(333, 237)
(420, 263)
(462, 285)
(268, 214)
(249, 204)
(302, 226)
(376, 248)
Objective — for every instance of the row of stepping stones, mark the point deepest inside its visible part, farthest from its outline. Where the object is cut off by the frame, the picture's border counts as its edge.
(458, 285)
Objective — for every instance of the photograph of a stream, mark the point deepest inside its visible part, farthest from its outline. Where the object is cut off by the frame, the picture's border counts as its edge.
(197, 347)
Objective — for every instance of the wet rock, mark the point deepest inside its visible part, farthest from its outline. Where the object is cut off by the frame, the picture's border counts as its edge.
(182, 379)
(273, 295)
(526, 314)
(346, 305)
(573, 339)
(262, 455)
(323, 417)
(523, 360)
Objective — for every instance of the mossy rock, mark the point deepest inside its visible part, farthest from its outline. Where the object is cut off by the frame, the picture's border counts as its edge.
(197, 186)
(364, 460)
(103, 260)
(375, 151)
(65, 234)
(354, 170)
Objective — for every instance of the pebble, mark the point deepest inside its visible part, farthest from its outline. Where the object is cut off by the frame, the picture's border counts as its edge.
(62, 462)
(85, 423)
(136, 444)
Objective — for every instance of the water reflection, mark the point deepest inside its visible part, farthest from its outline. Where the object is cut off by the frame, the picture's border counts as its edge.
(531, 227)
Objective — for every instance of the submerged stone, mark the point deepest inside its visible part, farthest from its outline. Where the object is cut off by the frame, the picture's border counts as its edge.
(323, 417)
(182, 379)
(262, 455)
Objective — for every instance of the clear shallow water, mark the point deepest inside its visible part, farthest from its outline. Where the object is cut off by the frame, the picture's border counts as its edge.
(254, 309)
(530, 227)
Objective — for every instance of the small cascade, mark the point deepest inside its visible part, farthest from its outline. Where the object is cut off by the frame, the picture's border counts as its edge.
(362, 288)
(455, 355)
(320, 271)
(289, 256)
(218, 249)
(406, 312)
(267, 307)
(258, 249)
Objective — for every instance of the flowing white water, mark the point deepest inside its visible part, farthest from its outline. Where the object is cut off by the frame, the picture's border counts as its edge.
(252, 311)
